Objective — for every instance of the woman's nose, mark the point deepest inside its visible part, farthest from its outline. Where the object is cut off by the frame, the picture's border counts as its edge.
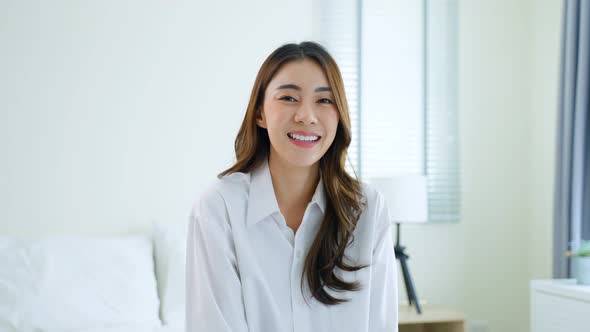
(306, 114)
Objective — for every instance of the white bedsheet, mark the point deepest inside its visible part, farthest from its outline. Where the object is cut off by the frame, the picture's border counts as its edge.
(136, 328)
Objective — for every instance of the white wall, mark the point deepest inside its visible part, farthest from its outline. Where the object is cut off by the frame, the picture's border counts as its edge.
(117, 113)
(545, 55)
(508, 96)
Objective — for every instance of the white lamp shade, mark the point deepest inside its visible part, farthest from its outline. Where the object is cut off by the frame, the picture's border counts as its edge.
(406, 197)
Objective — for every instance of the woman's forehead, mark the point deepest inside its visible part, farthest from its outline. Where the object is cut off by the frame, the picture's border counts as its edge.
(303, 73)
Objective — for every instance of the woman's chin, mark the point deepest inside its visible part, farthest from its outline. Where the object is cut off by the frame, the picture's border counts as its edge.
(295, 159)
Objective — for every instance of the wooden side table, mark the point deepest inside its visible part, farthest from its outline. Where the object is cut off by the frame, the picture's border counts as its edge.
(432, 319)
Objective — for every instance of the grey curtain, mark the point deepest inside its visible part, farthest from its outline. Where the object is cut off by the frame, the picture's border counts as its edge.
(572, 181)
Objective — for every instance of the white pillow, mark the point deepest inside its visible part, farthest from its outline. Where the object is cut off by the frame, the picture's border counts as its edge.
(170, 253)
(16, 281)
(74, 283)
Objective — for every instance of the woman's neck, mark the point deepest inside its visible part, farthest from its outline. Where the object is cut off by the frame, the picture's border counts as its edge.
(294, 186)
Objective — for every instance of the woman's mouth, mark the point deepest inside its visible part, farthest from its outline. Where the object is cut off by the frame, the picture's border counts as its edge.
(303, 139)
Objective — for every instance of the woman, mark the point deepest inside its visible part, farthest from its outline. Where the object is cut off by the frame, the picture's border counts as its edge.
(286, 240)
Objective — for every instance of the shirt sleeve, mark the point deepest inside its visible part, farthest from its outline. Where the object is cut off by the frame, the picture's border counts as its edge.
(383, 311)
(214, 294)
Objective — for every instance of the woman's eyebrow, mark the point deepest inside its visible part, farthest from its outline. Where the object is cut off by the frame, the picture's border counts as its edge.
(298, 88)
(289, 86)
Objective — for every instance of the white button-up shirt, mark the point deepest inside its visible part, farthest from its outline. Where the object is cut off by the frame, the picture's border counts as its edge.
(244, 264)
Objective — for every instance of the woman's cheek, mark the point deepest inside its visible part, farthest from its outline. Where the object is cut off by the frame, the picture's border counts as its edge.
(333, 122)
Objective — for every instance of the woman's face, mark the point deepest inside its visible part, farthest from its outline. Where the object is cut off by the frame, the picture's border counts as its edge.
(299, 113)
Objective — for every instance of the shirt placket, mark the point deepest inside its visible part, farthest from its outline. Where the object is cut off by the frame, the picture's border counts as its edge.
(284, 229)
(301, 314)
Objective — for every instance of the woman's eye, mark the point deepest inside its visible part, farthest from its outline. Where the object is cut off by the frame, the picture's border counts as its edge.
(288, 98)
(325, 101)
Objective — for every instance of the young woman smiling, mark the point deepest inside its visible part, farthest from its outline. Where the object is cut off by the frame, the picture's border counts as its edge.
(286, 239)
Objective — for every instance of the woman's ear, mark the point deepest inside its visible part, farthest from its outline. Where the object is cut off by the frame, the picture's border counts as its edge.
(261, 119)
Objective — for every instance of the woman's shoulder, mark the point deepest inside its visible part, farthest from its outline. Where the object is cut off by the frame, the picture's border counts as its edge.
(372, 195)
(376, 209)
(221, 193)
(234, 183)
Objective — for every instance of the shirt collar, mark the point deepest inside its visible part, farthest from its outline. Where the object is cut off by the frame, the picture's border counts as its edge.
(262, 201)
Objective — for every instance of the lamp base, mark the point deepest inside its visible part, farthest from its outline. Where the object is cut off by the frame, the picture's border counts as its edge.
(403, 257)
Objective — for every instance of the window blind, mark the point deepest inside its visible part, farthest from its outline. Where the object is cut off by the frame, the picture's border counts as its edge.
(339, 31)
(442, 164)
(399, 64)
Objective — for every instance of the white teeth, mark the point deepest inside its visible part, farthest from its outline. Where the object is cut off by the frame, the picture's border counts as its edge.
(304, 138)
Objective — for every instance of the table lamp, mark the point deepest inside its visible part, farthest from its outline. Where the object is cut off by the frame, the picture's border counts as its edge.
(407, 201)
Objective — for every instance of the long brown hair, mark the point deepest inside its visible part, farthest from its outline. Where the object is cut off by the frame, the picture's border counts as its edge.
(345, 199)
